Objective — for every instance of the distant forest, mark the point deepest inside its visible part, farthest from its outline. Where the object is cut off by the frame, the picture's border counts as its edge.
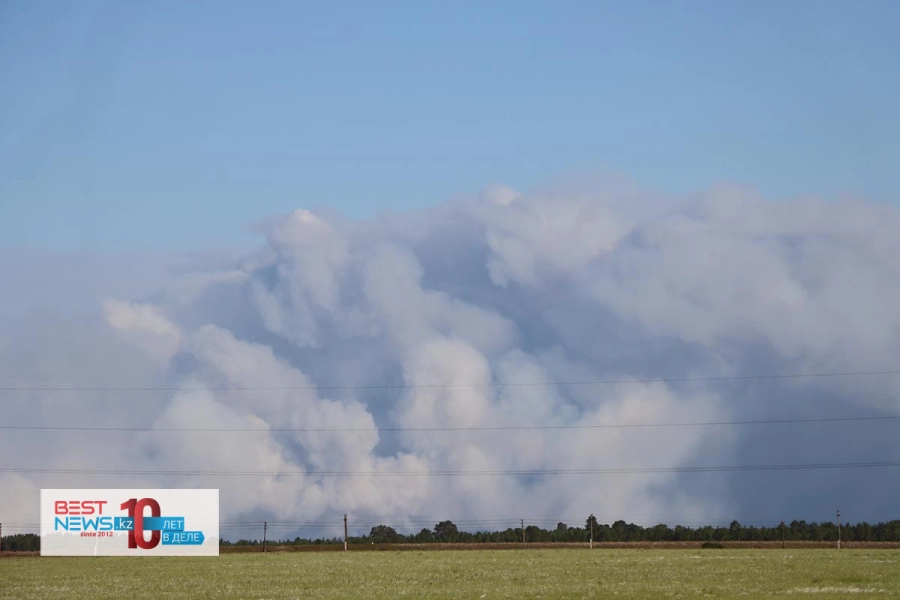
(620, 531)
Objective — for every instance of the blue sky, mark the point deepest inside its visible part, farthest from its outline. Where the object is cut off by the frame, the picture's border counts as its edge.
(174, 125)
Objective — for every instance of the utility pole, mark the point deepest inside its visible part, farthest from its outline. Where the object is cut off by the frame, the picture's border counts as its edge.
(782, 534)
(522, 521)
(345, 532)
(1, 536)
(591, 542)
(839, 529)
(265, 527)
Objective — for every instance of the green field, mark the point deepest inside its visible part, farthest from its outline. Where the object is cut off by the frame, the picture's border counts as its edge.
(562, 573)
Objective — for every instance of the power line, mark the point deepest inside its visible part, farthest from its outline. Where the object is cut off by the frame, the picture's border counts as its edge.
(471, 526)
(449, 386)
(467, 523)
(522, 472)
(513, 523)
(434, 429)
(459, 522)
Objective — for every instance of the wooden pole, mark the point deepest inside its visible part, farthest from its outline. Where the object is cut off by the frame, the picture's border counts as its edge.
(839, 529)
(345, 532)
(591, 546)
(782, 534)
(522, 521)
(265, 527)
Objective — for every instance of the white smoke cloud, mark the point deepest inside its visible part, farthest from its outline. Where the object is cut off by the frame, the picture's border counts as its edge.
(537, 235)
(490, 311)
(309, 257)
(146, 326)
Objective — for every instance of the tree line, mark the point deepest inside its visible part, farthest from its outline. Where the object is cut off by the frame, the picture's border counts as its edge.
(20, 542)
(620, 531)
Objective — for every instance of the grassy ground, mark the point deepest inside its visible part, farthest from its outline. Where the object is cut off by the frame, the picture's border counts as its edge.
(459, 574)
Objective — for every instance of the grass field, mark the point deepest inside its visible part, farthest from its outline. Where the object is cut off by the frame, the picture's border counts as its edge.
(562, 573)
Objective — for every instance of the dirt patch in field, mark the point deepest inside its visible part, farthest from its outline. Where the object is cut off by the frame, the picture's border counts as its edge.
(556, 545)
(536, 546)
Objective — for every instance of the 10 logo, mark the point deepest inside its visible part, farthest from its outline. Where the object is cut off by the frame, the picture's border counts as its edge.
(135, 510)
